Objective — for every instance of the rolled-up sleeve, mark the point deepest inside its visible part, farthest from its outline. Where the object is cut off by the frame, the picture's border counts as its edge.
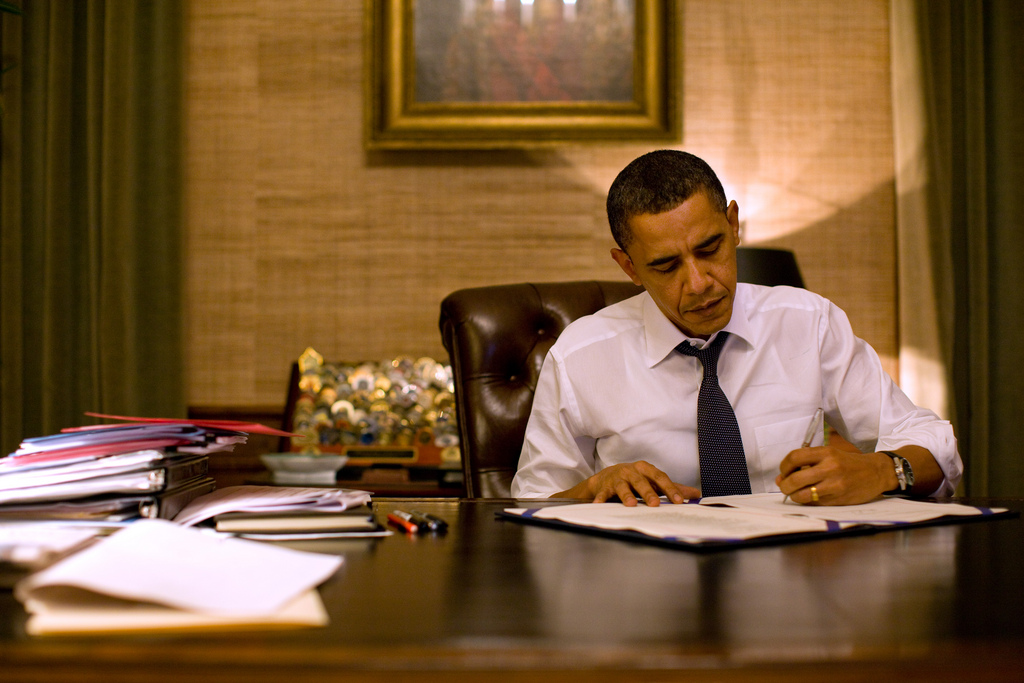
(867, 408)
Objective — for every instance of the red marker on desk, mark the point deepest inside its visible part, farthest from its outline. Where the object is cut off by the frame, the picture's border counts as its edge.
(403, 520)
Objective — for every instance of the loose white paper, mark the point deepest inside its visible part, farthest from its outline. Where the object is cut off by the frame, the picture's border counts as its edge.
(685, 522)
(160, 562)
(881, 511)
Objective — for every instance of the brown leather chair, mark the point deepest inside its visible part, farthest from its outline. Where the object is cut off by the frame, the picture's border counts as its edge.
(497, 338)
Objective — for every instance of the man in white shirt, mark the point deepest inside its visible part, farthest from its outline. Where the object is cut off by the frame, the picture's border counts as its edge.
(615, 412)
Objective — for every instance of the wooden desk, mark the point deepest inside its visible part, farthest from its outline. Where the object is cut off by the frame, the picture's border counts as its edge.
(496, 600)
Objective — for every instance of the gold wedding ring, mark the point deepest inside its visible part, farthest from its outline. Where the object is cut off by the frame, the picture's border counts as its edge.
(814, 494)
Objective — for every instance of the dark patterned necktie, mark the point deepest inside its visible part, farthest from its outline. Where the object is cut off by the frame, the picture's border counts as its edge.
(723, 467)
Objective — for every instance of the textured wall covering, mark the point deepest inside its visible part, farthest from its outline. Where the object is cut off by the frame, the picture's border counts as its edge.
(297, 237)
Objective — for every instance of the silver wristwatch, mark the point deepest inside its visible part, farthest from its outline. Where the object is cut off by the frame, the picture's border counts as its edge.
(904, 472)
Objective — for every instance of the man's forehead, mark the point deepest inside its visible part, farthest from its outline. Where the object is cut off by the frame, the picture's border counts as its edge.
(676, 231)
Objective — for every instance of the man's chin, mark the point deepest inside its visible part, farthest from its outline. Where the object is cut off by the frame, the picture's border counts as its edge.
(705, 325)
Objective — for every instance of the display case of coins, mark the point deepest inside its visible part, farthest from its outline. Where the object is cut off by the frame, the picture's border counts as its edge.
(394, 419)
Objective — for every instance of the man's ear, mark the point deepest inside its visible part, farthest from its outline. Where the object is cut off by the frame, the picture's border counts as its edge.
(626, 263)
(732, 213)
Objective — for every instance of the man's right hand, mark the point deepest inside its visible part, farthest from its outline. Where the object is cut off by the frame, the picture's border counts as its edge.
(627, 482)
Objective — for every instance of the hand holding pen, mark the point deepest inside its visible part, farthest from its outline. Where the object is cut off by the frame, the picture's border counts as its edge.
(812, 429)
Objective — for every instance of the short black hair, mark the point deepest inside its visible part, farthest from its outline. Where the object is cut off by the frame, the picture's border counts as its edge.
(656, 182)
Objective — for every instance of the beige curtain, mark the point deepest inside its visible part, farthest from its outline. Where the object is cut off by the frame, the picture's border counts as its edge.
(923, 220)
(91, 216)
(957, 94)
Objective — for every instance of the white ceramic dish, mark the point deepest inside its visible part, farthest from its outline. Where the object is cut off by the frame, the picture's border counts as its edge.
(297, 468)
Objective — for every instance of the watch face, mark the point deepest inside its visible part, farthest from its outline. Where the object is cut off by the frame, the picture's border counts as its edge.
(908, 472)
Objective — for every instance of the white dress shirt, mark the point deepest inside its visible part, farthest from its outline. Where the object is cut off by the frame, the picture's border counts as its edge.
(614, 390)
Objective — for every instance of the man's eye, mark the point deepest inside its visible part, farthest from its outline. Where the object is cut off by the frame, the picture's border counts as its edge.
(667, 268)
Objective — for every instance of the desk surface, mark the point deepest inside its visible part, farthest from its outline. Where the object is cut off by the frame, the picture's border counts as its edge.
(522, 603)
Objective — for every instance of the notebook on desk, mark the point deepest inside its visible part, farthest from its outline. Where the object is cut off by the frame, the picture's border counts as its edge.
(291, 525)
(360, 518)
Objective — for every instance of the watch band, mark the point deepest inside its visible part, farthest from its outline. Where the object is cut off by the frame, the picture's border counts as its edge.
(904, 473)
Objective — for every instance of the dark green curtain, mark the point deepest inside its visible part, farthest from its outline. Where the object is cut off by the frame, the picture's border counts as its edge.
(91, 213)
(971, 52)
(1003, 139)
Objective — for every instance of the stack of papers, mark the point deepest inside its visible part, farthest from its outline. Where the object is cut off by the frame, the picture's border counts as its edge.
(139, 465)
(135, 468)
(122, 473)
(146, 577)
(141, 572)
(735, 521)
(280, 513)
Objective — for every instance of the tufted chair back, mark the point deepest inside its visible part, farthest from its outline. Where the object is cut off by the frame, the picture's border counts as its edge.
(497, 338)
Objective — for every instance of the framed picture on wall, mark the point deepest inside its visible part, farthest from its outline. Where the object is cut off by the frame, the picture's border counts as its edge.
(520, 73)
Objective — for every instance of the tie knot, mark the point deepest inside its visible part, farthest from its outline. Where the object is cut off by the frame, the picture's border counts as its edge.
(708, 353)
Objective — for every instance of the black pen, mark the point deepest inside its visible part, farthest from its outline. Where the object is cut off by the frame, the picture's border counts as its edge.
(441, 524)
(433, 522)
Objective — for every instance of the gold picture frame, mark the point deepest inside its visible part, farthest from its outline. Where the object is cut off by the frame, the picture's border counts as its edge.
(479, 74)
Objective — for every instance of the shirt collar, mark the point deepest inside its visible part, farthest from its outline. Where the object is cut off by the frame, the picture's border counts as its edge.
(662, 336)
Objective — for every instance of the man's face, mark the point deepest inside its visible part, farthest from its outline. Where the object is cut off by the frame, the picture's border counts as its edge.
(686, 260)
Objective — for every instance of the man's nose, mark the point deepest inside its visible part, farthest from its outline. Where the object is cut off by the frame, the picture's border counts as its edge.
(698, 279)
